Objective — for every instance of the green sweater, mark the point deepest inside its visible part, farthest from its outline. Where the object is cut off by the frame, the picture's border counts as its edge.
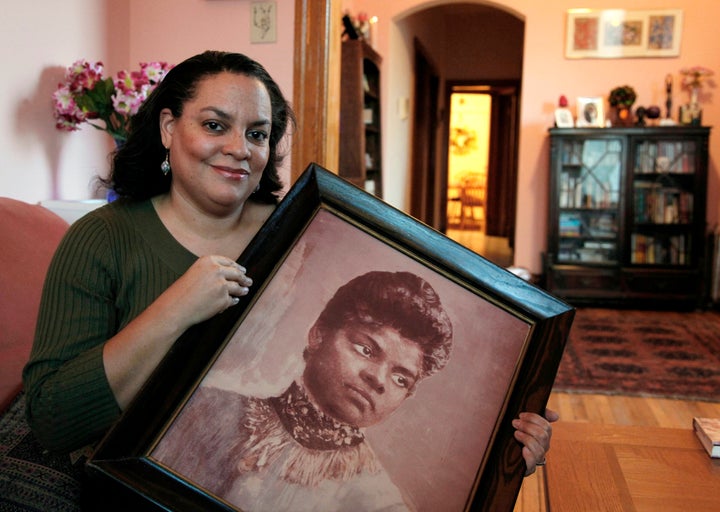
(110, 266)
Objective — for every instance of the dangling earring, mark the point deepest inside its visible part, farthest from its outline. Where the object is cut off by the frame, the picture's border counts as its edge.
(165, 166)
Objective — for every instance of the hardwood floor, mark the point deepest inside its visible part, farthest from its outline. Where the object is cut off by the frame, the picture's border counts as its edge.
(616, 410)
(495, 249)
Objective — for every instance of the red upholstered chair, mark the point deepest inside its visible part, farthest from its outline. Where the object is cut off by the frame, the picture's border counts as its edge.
(29, 235)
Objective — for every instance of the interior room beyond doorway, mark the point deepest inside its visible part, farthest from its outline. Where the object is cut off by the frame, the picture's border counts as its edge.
(468, 157)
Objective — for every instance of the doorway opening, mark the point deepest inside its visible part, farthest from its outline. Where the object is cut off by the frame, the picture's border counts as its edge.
(469, 144)
(481, 167)
(489, 67)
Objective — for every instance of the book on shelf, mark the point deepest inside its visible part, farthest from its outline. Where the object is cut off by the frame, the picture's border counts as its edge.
(708, 432)
(657, 204)
(660, 250)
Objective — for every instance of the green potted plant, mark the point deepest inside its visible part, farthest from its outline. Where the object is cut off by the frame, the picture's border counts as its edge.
(621, 100)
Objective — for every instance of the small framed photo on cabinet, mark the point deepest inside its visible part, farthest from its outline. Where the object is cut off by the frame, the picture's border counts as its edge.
(564, 118)
(590, 112)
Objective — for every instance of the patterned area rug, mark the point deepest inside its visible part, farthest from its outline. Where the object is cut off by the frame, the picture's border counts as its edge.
(651, 353)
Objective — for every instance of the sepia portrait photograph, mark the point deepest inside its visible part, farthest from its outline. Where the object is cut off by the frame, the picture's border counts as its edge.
(374, 365)
(360, 379)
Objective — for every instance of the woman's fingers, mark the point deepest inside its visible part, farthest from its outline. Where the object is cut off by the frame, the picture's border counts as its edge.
(534, 432)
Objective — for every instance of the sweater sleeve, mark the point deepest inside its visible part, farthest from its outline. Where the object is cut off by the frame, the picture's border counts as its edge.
(69, 400)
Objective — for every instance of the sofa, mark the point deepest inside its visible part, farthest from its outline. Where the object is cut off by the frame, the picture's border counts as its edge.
(29, 235)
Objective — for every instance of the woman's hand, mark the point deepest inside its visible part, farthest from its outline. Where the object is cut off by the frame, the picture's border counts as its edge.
(534, 432)
(210, 285)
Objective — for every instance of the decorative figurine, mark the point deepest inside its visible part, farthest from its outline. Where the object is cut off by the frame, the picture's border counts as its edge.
(640, 113)
(667, 121)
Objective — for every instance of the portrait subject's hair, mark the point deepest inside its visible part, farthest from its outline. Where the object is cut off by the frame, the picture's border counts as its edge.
(400, 300)
(135, 171)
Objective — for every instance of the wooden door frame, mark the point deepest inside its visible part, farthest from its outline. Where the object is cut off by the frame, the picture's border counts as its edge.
(425, 182)
(316, 84)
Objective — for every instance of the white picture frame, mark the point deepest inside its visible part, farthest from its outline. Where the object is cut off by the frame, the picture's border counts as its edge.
(564, 118)
(590, 112)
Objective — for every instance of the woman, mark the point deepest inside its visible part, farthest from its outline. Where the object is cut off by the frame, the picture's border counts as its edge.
(196, 180)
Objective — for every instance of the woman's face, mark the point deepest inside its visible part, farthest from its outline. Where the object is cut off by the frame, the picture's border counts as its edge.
(219, 146)
(362, 374)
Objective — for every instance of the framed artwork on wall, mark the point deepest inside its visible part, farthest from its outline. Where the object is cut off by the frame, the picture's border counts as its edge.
(618, 33)
(275, 402)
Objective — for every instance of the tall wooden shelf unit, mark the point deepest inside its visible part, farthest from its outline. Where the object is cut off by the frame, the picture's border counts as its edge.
(360, 144)
(627, 216)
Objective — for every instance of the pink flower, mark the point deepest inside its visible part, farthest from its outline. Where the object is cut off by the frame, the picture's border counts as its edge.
(154, 71)
(128, 103)
(83, 75)
(67, 113)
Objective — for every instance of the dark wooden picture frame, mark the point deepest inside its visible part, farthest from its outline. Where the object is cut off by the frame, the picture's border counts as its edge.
(508, 341)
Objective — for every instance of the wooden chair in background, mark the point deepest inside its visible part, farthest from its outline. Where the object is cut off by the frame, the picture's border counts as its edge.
(472, 206)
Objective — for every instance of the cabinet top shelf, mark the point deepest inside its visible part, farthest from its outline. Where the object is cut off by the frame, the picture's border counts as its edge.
(634, 130)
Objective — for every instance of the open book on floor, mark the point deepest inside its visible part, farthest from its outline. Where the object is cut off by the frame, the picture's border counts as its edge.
(708, 431)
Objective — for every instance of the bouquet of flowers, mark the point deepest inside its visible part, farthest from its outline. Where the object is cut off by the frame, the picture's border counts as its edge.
(694, 76)
(86, 96)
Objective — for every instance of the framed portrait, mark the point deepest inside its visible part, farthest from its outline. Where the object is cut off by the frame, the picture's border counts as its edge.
(590, 112)
(375, 363)
(618, 33)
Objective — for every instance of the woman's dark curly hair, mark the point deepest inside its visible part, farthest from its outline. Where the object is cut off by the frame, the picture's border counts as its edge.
(400, 300)
(135, 171)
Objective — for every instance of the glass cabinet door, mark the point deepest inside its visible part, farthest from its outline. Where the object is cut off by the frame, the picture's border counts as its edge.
(663, 180)
(588, 195)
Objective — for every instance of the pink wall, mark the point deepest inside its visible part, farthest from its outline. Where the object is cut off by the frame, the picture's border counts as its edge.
(547, 74)
(173, 30)
(41, 38)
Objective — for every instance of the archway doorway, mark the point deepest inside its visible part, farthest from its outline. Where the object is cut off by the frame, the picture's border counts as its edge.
(479, 53)
(468, 41)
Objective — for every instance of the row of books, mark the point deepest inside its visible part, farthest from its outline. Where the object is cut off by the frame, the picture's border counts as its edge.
(588, 224)
(588, 251)
(657, 204)
(665, 157)
(661, 250)
(586, 191)
(592, 152)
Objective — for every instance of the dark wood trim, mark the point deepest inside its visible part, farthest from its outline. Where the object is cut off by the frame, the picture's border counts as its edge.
(427, 190)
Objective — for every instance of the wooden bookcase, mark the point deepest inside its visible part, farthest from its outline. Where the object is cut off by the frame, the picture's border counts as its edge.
(360, 134)
(627, 216)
